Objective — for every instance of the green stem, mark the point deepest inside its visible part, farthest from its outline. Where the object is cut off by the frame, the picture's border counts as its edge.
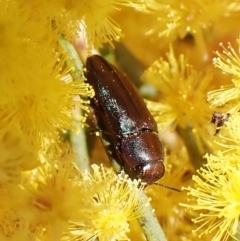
(149, 222)
(78, 140)
(193, 151)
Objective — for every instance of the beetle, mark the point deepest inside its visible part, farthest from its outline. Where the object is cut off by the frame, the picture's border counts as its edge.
(129, 131)
(219, 119)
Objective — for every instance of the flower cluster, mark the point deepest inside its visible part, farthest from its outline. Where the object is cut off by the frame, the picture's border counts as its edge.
(183, 95)
(59, 202)
(44, 102)
(216, 195)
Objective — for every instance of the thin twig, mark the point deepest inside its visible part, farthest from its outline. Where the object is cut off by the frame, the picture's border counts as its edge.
(78, 140)
(149, 223)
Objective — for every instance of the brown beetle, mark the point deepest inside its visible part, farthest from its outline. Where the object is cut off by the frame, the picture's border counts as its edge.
(128, 129)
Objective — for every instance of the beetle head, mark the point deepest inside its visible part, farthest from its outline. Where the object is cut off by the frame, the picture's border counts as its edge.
(143, 156)
(151, 172)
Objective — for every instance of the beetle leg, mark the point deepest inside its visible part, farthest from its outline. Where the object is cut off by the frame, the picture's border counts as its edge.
(119, 156)
(97, 132)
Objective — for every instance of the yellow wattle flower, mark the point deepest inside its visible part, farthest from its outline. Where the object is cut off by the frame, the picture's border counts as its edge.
(215, 198)
(91, 17)
(182, 95)
(195, 18)
(114, 202)
(56, 200)
(39, 98)
(227, 97)
(99, 26)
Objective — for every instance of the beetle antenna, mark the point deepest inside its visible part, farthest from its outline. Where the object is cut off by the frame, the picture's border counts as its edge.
(172, 188)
